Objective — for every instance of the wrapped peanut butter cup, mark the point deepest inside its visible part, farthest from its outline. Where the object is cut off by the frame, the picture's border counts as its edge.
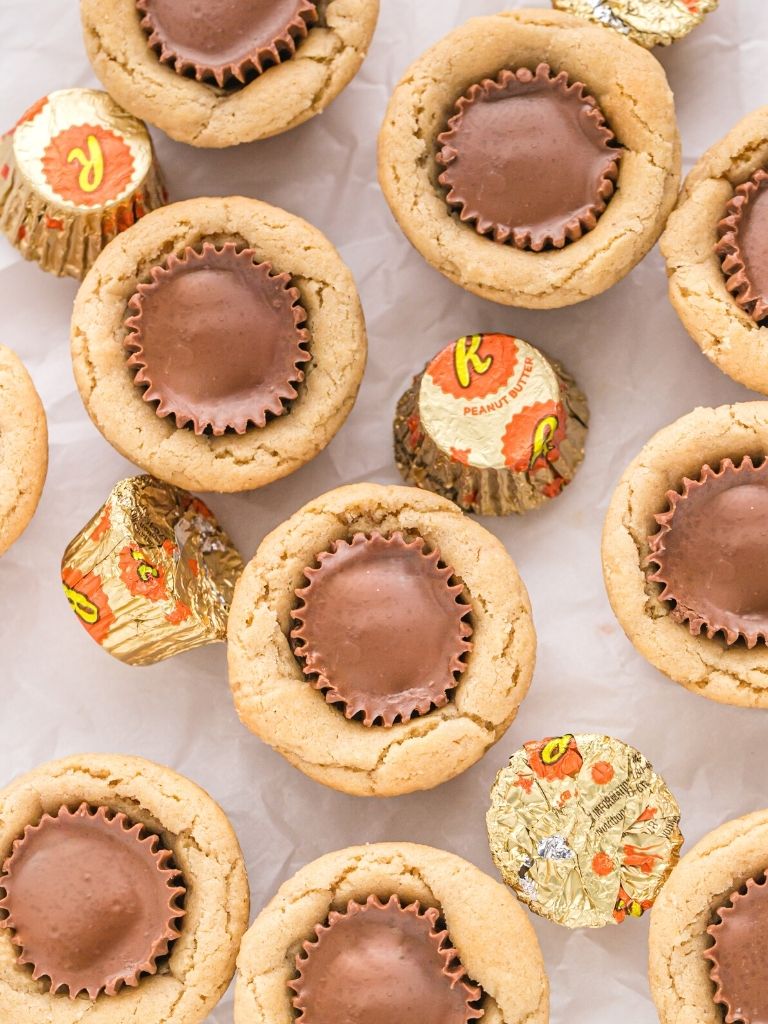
(231, 43)
(74, 172)
(583, 829)
(152, 574)
(92, 901)
(492, 424)
(388, 963)
(711, 550)
(648, 22)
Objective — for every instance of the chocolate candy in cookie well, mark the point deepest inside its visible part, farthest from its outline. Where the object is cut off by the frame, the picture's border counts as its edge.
(75, 171)
(383, 628)
(743, 249)
(492, 424)
(92, 901)
(711, 551)
(152, 574)
(216, 339)
(529, 159)
(387, 964)
(737, 954)
(583, 829)
(225, 42)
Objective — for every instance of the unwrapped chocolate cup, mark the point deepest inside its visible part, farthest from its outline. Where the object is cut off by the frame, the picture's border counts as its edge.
(647, 22)
(152, 574)
(583, 829)
(75, 171)
(492, 424)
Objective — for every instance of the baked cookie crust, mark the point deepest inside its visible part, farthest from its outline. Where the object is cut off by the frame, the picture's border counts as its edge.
(206, 851)
(704, 879)
(630, 87)
(730, 675)
(489, 929)
(23, 448)
(725, 333)
(230, 462)
(274, 699)
(190, 111)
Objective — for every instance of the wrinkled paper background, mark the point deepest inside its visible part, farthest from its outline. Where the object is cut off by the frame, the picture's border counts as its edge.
(60, 694)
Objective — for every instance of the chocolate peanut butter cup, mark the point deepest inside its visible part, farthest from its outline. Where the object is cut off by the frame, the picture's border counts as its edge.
(529, 159)
(382, 629)
(737, 955)
(225, 41)
(92, 900)
(383, 963)
(711, 552)
(217, 339)
(743, 246)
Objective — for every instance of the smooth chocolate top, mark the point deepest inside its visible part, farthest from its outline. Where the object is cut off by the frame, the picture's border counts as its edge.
(743, 246)
(712, 552)
(382, 964)
(529, 159)
(216, 340)
(224, 39)
(91, 900)
(739, 964)
(382, 628)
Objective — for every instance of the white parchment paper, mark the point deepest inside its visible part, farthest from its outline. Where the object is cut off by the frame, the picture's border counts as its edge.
(60, 694)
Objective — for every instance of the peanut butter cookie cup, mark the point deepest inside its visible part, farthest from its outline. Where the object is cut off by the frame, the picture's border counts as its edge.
(685, 551)
(267, 66)
(716, 257)
(219, 343)
(709, 928)
(532, 157)
(23, 448)
(123, 894)
(405, 932)
(380, 641)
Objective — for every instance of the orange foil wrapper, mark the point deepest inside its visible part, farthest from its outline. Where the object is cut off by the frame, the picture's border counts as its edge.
(492, 424)
(75, 171)
(583, 829)
(648, 22)
(152, 574)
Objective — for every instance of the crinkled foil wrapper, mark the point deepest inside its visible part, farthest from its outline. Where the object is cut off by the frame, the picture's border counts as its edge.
(648, 22)
(507, 443)
(152, 574)
(583, 829)
(75, 171)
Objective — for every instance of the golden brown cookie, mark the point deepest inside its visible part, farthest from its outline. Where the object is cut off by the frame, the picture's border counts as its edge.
(698, 286)
(208, 861)
(313, 66)
(630, 89)
(277, 702)
(486, 926)
(120, 387)
(23, 448)
(729, 673)
(721, 863)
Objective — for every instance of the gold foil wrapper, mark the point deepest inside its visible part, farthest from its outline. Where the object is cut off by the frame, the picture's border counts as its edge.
(583, 829)
(75, 171)
(648, 22)
(492, 424)
(152, 574)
